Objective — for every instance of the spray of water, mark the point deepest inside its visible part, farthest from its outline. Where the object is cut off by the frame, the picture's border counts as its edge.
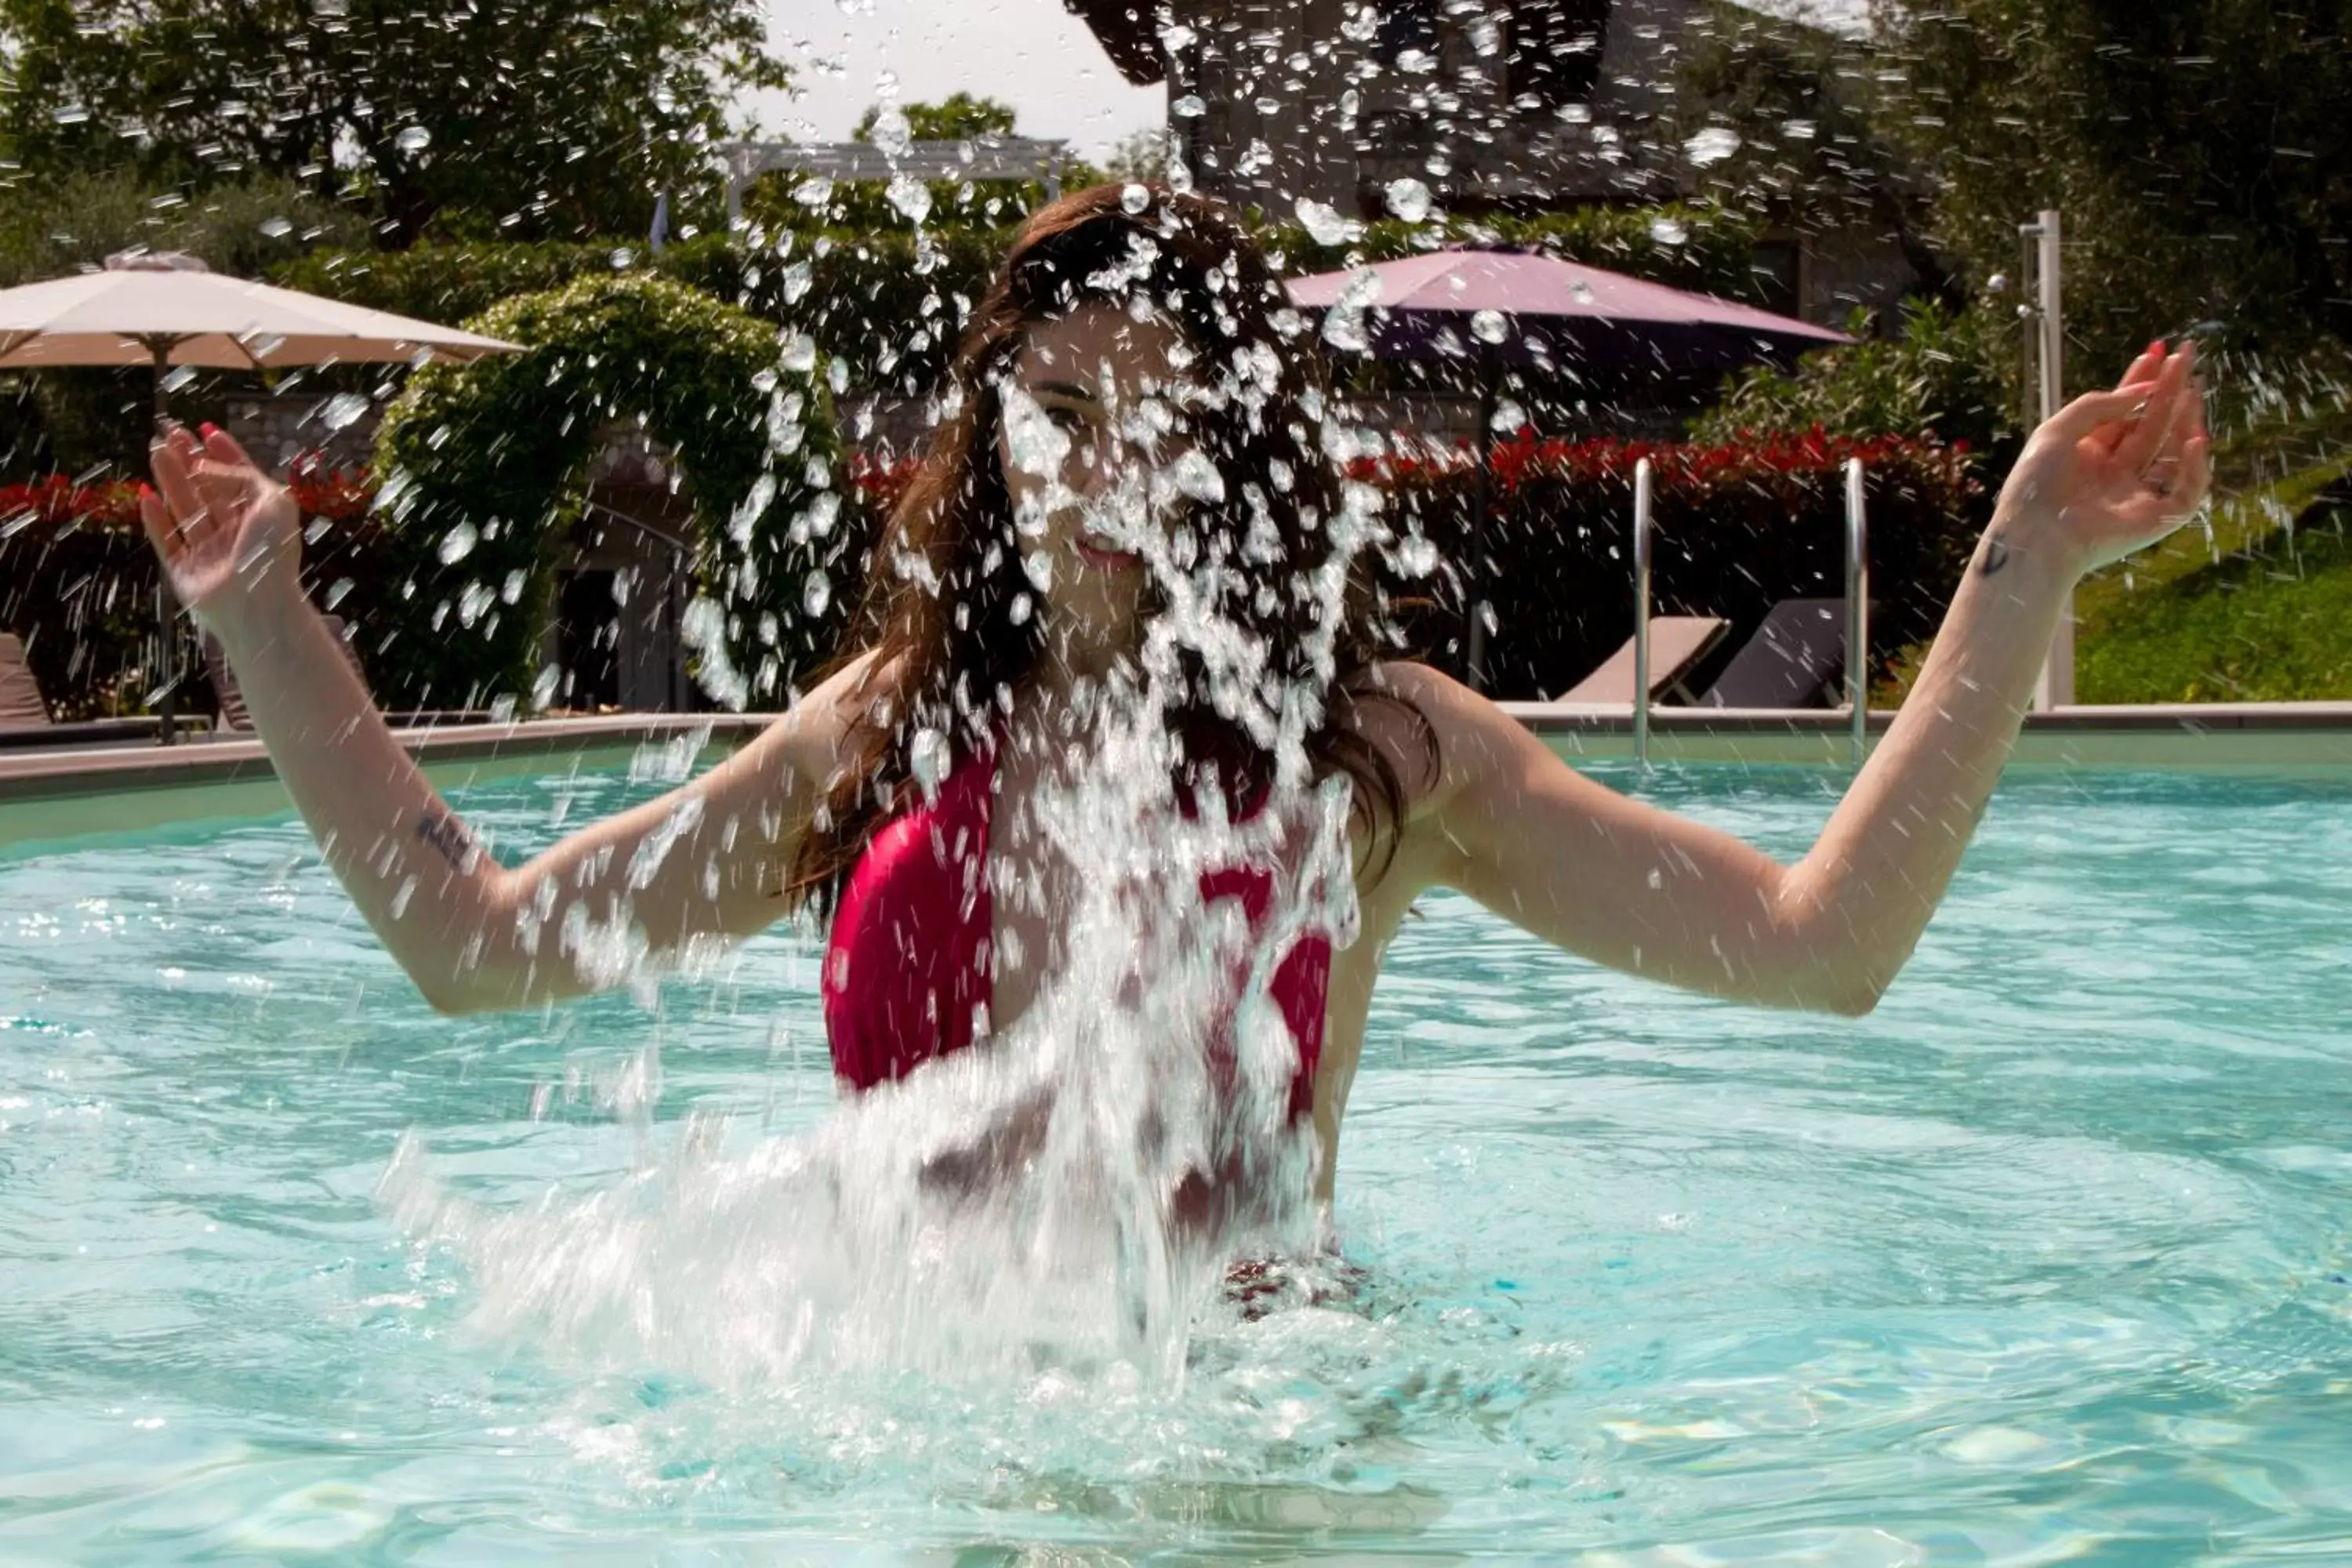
(1070, 1194)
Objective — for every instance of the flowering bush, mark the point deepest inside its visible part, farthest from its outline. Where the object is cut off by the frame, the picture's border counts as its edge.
(77, 579)
(58, 502)
(1740, 524)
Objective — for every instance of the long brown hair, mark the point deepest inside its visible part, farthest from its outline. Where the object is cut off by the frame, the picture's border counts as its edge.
(946, 616)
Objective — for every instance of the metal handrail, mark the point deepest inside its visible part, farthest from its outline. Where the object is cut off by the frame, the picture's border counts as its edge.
(1641, 613)
(1857, 608)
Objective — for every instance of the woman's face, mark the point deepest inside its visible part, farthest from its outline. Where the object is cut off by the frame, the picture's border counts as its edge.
(1094, 446)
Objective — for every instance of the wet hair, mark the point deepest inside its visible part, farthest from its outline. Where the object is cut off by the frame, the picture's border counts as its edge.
(946, 610)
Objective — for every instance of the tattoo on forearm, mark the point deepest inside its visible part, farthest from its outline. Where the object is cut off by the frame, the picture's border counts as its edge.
(446, 835)
(1996, 555)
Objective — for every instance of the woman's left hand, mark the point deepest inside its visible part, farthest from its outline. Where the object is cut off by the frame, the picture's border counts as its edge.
(2113, 471)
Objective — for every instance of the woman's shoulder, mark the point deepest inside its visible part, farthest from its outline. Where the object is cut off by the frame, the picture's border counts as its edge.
(1425, 698)
(1428, 725)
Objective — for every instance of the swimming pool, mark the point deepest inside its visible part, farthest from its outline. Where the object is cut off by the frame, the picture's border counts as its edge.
(2049, 1258)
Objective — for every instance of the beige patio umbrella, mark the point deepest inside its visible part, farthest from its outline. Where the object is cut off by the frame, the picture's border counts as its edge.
(164, 309)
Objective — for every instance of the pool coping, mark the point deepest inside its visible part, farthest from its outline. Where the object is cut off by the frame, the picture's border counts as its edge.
(73, 791)
(2206, 737)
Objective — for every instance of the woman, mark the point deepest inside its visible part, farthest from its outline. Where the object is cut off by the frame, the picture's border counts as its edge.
(1132, 444)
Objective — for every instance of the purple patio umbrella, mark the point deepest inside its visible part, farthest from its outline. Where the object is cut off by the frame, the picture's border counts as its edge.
(1491, 307)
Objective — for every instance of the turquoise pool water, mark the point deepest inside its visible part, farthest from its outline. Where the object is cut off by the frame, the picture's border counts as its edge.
(2050, 1258)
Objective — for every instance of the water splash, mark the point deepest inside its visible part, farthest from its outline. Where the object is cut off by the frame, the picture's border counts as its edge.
(1069, 1194)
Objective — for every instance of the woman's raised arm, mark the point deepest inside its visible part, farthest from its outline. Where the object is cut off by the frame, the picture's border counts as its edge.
(1641, 889)
(704, 860)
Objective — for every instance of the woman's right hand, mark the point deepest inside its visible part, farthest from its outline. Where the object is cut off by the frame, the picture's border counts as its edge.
(229, 535)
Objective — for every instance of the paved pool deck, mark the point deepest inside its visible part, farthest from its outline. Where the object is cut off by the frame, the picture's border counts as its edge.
(51, 793)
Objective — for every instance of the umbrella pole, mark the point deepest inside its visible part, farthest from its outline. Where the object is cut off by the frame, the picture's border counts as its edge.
(1475, 577)
(167, 609)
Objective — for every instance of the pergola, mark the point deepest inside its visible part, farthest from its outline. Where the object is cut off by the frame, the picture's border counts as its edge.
(975, 158)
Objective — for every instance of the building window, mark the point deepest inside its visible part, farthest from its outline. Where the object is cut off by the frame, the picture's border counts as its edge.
(1555, 49)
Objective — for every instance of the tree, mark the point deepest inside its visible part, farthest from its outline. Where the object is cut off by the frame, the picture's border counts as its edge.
(2196, 148)
(1808, 146)
(1138, 156)
(522, 118)
(956, 118)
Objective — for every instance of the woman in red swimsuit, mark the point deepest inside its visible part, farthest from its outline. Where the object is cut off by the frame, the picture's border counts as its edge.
(1131, 419)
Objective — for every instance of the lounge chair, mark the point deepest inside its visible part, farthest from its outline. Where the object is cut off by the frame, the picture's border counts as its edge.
(1795, 655)
(1677, 644)
(233, 714)
(24, 717)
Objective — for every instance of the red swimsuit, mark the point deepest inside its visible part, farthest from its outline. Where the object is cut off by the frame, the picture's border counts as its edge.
(906, 967)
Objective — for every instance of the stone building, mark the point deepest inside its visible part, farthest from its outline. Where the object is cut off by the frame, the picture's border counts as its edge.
(1526, 105)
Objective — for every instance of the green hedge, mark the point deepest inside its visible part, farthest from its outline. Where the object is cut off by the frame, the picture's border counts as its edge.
(483, 470)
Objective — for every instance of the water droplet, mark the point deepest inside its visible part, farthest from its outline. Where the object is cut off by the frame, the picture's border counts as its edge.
(1510, 418)
(816, 593)
(1409, 199)
(1416, 556)
(911, 196)
(1324, 224)
(1666, 231)
(800, 353)
(1489, 327)
(1134, 199)
(891, 132)
(343, 410)
(927, 755)
(623, 259)
(816, 190)
(1712, 145)
(413, 139)
(70, 114)
(1188, 107)
(276, 227)
(458, 543)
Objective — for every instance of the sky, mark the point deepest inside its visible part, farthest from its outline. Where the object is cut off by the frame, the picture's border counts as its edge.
(1031, 54)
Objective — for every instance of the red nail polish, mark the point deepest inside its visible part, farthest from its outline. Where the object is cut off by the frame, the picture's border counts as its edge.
(209, 429)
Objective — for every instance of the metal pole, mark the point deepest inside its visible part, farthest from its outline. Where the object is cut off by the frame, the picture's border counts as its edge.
(1642, 612)
(2055, 686)
(1857, 608)
(1474, 583)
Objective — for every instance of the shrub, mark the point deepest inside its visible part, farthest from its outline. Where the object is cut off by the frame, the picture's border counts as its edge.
(484, 466)
(1940, 378)
(2267, 626)
(77, 579)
